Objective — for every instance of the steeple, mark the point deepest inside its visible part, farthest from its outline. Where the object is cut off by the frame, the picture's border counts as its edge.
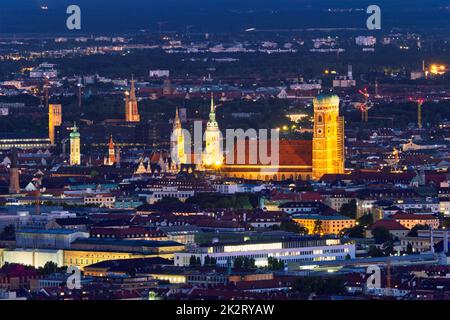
(74, 132)
(177, 141)
(176, 120)
(132, 89)
(111, 160)
(75, 156)
(213, 153)
(111, 142)
(131, 104)
(212, 112)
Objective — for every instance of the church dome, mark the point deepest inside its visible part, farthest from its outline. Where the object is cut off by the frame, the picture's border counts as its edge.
(327, 99)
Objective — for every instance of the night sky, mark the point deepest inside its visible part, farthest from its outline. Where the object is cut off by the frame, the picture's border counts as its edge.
(118, 16)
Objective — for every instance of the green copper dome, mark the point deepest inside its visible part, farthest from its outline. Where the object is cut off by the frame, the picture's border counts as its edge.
(74, 133)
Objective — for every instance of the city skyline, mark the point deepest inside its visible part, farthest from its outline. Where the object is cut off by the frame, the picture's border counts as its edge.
(247, 155)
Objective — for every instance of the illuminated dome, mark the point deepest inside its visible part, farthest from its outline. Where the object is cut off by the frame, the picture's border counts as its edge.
(74, 133)
(327, 99)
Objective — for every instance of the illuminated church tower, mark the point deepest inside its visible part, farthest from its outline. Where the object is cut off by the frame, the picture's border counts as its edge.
(131, 105)
(213, 154)
(111, 159)
(328, 139)
(177, 142)
(54, 120)
(75, 156)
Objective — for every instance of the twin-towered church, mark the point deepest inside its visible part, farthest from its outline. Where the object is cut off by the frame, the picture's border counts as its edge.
(297, 159)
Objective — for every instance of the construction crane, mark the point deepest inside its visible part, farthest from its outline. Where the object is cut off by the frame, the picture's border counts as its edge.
(79, 94)
(365, 106)
(419, 112)
(420, 102)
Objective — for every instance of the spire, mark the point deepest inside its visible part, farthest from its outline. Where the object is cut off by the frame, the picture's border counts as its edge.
(131, 107)
(176, 120)
(74, 133)
(212, 113)
(132, 89)
(111, 142)
(111, 160)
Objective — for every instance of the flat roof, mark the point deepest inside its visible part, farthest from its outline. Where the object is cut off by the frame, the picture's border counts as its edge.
(136, 243)
(48, 231)
(262, 241)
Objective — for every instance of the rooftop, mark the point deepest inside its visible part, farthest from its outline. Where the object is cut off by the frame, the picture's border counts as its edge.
(134, 243)
(321, 217)
(47, 231)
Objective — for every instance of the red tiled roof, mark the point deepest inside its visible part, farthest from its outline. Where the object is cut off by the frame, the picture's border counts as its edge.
(388, 224)
(412, 216)
(311, 196)
(291, 152)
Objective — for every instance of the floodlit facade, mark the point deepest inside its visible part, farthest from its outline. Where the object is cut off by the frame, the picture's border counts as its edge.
(75, 154)
(54, 120)
(328, 139)
(131, 105)
(213, 151)
(177, 141)
(324, 224)
(111, 159)
(297, 249)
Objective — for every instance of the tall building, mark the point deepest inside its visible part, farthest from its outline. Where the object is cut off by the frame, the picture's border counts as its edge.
(131, 105)
(177, 141)
(213, 153)
(75, 155)
(328, 138)
(111, 159)
(54, 120)
(14, 186)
